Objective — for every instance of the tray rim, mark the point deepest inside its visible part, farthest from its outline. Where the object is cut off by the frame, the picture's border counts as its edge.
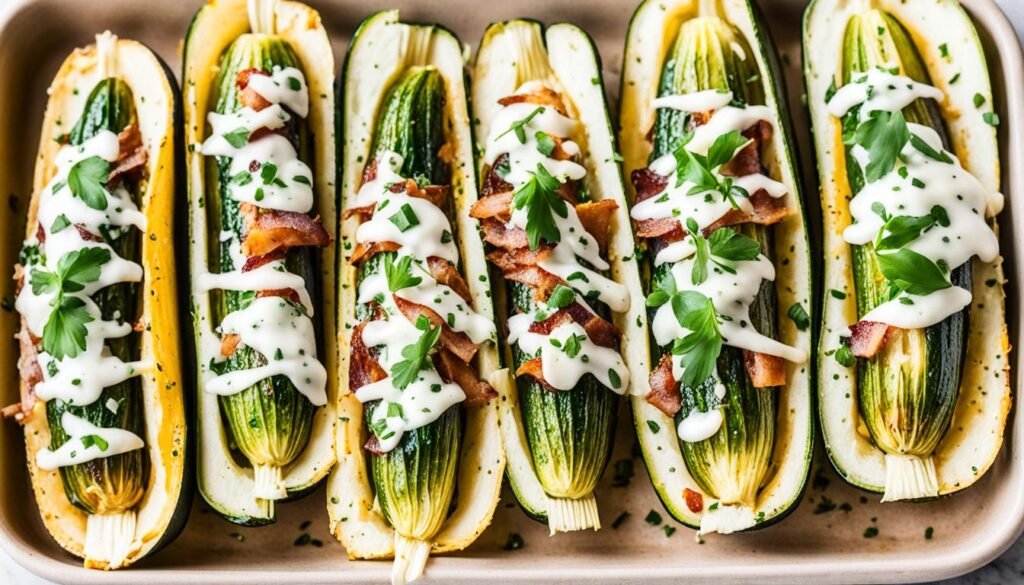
(989, 17)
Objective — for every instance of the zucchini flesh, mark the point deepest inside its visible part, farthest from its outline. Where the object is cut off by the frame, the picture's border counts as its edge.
(109, 485)
(269, 422)
(907, 393)
(415, 481)
(733, 464)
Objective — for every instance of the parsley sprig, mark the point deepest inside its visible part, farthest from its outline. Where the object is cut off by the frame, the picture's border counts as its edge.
(65, 331)
(723, 247)
(519, 126)
(541, 201)
(906, 270)
(399, 273)
(884, 135)
(417, 355)
(699, 349)
(702, 171)
(88, 180)
(572, 344)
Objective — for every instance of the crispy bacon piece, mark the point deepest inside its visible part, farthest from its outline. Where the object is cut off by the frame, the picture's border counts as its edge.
(542, 96)
(492, 182)
(373, 445)
(596, 218)
(600, 331)
(497, 205)
(517, 258)
(664, 394)
(229, 344)
(268, 230)
(285, 293)
(363, 367)
(647, 183)
(86, 234)
(455, 371)
(748, 160)
(445, 273)
(765, 371)
(256, 261)
(497, 234)
(457, 342)
(768, 210)
(30, 373)
(867, 337)
(694, 500)
(435, 194)
(534, 369)
(362, 251)
(248, 96)
(131, 156)
(542, 281)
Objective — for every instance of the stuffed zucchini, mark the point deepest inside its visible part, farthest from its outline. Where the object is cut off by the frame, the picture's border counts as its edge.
(726, 425)
(102, 394)
(553, 213)
(260, 128)
(914, 344)
(419, 453)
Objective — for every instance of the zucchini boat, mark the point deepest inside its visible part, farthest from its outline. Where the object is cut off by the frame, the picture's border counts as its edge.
(726, 425)
(419, 454)
(259, 119)
(102, 392)
(913, 355)
(553, 213)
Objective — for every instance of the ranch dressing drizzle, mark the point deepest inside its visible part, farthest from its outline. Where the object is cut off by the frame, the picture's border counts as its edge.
(560, 370)
(917, 185)
(267, 173)
(428, 234)
(86, 442)
(730, 293)
(80, 380)
(704, 207)
(575, 242)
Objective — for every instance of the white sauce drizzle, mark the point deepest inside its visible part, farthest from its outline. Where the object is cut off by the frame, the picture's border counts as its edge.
(428, 396)
(564, 260)
(915, 186)
(275, 328)
(80, 380)
(74, 450)
(731, 294)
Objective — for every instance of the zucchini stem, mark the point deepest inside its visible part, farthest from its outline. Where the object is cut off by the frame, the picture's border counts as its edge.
(570, 515)
(269, 481)
(410, 559)
(909, 477)
(109, 539)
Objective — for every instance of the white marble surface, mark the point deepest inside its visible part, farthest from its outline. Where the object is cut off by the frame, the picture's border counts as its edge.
(1006, 570)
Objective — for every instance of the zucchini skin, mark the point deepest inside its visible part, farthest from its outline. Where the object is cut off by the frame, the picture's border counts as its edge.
(116, 483)
(415, 481)
(907, 407)
(744, 444)
(270, 421)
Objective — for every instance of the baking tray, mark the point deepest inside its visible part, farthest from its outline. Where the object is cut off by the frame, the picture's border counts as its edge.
(823, 541)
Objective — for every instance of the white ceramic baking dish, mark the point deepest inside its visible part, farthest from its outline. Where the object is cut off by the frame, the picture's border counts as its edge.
(822, 542)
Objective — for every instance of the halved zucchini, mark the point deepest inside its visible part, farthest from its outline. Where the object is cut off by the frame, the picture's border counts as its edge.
(405, 76)
(110, 510)
(557, 440)
(925, 416)
(759, 459)
(270, 441)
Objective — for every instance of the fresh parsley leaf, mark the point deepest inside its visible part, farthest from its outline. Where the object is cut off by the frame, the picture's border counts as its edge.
(88, 180)
(541, 201)
(238, 137)
(699, 273)
(519, 126)
(90, 440)
(545, 144)
(405, 218)
(561, 297)
(81, 267)
(926, 149)
(399, 273)
(417, 356)
(845, 357)
(883, 135)
(664, 289)
(64, 333)
(900, 230)
(699, 349)
(799, 316)
(59, 224)
(911, 272)
(573, 344)
(725, 148)
(728, 244)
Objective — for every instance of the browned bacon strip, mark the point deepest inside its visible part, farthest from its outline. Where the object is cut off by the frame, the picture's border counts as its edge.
(30, 373)
(455, 371)
(542, 96)
(268, 230)
(131, 156)
(248, 96)
(363, 368)
(664, 394)
(457, 342)
(363, 251)
(867, 337)
(445, 273)
(765, 371)
(596, 218)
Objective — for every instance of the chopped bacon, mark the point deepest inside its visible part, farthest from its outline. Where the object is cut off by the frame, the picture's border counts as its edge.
(765, 371)
(30, 373)
(664, 394)
(229, 344)
(647, 183)
(445, 273)
(373, 445)
(496, 205)
(256, 261)
(596, 218)
(455, 371)
(435, 194)
(86, 234)
(497, 234)
(542, 281)
(867, 337)
(600, 331)
(248, 96)
(517, 258)
(494, 183)
(542, 96)
(131, 156)
(694, 500)
(363, 251)
(534, 369)
(748, 160)
(668, 229)
(268, 230)
(363, 367)
(458, 342)
(41, 234)
(285, 293)
(768, 210)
